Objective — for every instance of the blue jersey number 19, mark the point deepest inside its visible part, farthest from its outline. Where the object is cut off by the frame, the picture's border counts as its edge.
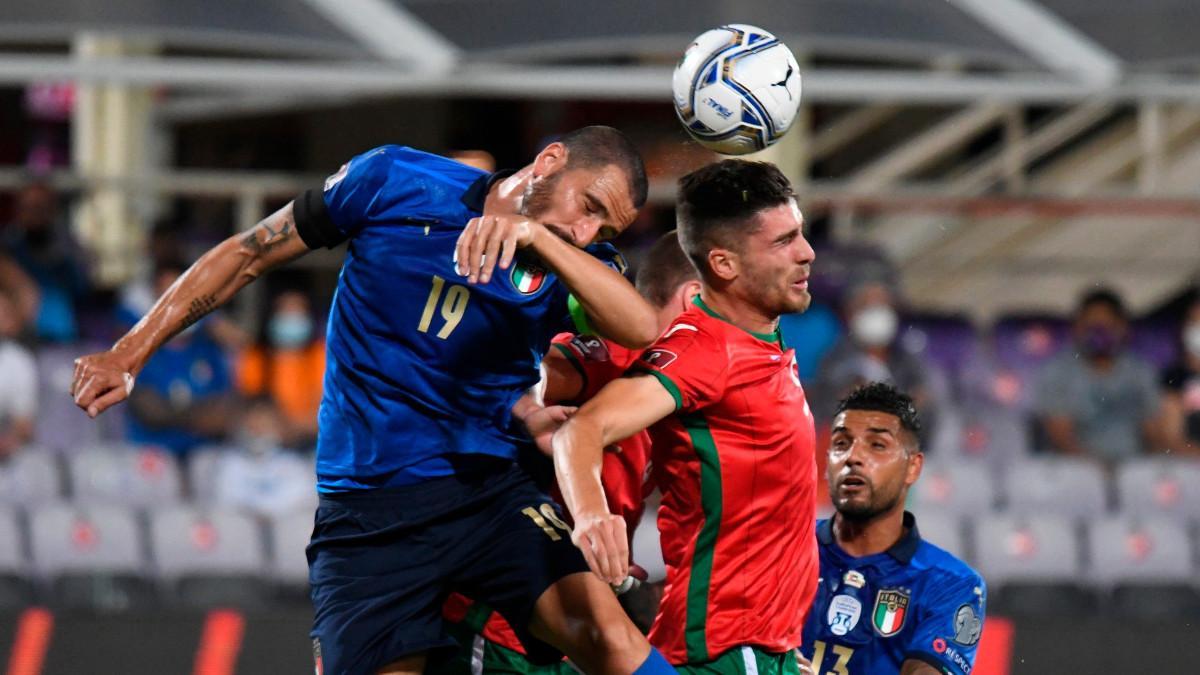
(453, 307)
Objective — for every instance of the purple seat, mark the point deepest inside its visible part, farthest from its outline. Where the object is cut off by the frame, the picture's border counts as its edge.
(1155, 341)
(946, 340)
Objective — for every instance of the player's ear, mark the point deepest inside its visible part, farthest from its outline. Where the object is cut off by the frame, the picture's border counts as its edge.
(687, 292)
(916, 462)
(552, 158)
(724, 264)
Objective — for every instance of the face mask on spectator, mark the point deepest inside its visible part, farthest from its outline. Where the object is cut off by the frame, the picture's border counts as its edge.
(1191, 339)
(288, 331)
(1101, 341)
(874, 326)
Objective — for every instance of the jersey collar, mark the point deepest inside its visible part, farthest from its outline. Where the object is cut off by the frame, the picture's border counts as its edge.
(774, 338)
(477, 194)
(903, 550)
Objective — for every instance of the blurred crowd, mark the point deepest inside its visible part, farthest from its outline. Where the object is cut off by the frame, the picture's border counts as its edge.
(1096, 384)
(232, 409)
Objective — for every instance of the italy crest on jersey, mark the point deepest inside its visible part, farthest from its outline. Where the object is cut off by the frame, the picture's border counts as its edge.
(891, 606)
(527, 278)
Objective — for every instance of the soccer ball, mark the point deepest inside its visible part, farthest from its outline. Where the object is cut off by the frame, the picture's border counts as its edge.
(737, 89)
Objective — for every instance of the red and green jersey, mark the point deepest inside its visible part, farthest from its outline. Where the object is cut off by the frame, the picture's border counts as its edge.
(598, 362)
(737, 469)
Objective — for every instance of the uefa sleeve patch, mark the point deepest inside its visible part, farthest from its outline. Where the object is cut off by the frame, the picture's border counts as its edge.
(659, 358)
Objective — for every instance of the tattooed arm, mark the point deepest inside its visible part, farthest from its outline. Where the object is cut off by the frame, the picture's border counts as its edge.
(106, 378)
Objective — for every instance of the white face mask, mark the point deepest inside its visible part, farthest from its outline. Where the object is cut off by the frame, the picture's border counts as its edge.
(1191, 339)
(874, 326)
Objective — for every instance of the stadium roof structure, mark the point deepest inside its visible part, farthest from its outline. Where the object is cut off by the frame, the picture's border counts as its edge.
(934, 51)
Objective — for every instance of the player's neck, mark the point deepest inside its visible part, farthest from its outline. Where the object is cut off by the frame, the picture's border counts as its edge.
(738, 312)
(506, 195)
(869, 537)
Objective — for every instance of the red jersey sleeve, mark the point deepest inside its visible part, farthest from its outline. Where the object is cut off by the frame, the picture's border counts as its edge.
(596, 360)
(690, 362)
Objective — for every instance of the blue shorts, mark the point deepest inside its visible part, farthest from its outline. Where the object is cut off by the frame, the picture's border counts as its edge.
(381, 563)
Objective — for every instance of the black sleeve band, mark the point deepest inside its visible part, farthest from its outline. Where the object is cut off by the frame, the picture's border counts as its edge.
(313, 223)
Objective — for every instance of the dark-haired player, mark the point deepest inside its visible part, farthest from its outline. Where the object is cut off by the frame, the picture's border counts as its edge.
(889, 601)
(426, 358)
(732, 436)
(575, 369)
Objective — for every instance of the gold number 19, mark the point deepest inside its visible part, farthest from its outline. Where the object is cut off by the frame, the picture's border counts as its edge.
(453, 307)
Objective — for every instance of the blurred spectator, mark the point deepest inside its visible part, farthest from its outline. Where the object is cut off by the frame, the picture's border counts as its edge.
(43, 248)
(1095, 398)
(1181, 389)
(260, 474)
(183, 397)
(22, 291)
(811, 335)
(872, 354)
(18, 382)
(290, 366)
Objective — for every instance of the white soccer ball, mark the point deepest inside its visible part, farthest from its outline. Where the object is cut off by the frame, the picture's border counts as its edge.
(737, 89)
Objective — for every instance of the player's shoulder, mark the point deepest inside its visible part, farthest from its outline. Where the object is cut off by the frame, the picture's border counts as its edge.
(943, 567)
(399, 159)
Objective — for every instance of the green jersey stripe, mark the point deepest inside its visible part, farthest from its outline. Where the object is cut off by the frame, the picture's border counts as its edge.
(695, 631)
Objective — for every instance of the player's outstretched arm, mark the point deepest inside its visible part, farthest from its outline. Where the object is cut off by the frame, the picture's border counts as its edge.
(106, 378)
(611, 302)
(622, 408)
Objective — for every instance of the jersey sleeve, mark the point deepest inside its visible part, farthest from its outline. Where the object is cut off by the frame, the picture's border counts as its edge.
(949, 628)
(592, 358)
(691, 364)
(376, 181)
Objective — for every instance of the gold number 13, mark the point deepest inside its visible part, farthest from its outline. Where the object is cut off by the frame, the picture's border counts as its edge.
(453, 307)
(843, 658)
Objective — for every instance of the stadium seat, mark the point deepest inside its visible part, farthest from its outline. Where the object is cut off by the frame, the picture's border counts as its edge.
(1032, 565)
(124, 475)
(944, 529)
(15, 587)
(289, 537)
(90, 557)
(1157, 342)
(1146, 565)
(29, 478)
(948, 341)
(1056, 485)
(201, 472)
(1020, 346)
(954, 486)
(209, 557)
(1163, 486)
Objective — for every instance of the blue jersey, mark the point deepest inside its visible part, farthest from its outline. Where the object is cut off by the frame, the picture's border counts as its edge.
(913, 601)
(422, 369)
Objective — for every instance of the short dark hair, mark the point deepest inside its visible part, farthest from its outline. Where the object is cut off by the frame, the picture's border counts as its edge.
(720, 200)
(884, 398)
(599, 146)
(1103, 295)
(663, 269)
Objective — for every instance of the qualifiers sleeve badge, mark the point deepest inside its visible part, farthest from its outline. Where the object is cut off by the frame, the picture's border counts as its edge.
(967, 626)
(844, 612)
(891, 606)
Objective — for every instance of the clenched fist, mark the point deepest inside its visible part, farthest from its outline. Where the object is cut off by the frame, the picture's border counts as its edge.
(101, 381)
